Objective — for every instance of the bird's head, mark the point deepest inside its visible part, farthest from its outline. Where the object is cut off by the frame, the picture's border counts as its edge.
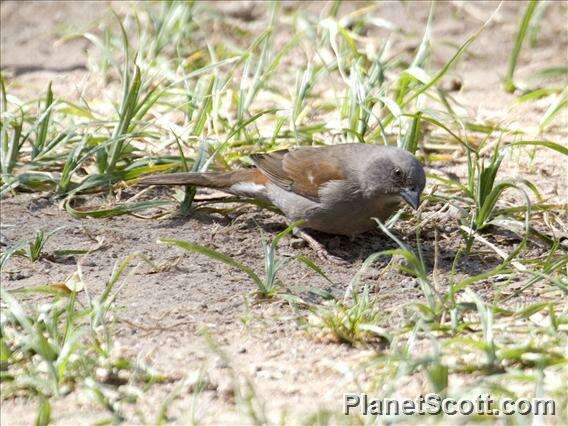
(396, 173)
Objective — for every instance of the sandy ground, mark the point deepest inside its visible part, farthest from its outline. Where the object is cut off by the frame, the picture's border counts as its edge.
(162, 314)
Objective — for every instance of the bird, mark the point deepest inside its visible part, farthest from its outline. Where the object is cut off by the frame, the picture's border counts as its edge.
(334, 189)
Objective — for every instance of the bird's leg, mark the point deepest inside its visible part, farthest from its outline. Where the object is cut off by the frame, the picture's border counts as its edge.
(316, 246)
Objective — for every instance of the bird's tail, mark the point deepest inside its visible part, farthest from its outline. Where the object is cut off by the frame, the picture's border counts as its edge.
(219, 180)
(207, 179)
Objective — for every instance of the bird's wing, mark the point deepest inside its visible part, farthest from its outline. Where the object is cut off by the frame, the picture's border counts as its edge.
(303, 171)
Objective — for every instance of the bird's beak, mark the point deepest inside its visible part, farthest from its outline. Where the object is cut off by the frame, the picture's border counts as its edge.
(412, 197)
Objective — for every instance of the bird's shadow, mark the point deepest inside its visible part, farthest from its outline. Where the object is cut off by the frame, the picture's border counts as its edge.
(446, 260)
(197, 215)
(350, 250)
(359, 248)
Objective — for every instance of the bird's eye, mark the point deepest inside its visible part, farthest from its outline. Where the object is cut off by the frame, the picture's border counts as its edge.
(398, 172)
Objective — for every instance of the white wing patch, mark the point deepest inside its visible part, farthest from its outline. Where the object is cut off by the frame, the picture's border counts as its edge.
(247, 188)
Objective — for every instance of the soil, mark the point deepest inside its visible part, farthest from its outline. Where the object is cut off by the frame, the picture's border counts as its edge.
(162, 314)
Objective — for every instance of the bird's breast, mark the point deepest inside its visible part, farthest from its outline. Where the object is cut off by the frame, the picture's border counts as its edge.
(334, 214)
(351, 218)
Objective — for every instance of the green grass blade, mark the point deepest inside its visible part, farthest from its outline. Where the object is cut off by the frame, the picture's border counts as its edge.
(509, 84)
(43, 124)
(43, 414)
(118, 210)
(310, 264)
(410, 140)
(547, 144)
(554, 109)
(213, 254)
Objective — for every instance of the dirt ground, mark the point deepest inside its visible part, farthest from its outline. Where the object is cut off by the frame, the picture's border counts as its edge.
(162, 314)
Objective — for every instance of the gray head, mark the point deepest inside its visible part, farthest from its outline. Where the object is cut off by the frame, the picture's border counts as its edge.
(394, 171)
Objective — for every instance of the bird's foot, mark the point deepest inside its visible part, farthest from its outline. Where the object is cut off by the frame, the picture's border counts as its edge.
(324, 255)
(318, 247)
